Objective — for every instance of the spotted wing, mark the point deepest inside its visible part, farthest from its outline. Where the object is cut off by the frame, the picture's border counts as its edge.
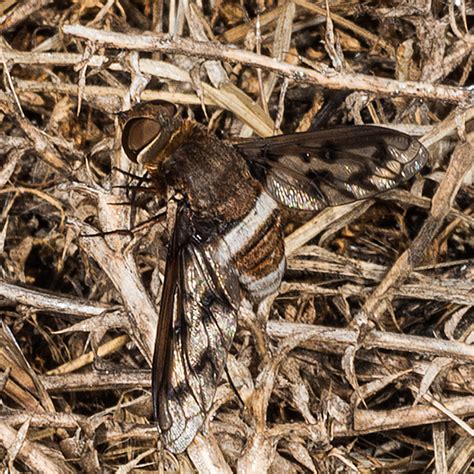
(197, 322)
(313, 170)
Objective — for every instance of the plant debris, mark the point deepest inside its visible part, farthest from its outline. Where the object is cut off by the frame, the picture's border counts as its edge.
(371, 364)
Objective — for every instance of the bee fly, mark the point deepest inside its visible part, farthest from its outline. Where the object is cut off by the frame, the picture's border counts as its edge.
(227, 242)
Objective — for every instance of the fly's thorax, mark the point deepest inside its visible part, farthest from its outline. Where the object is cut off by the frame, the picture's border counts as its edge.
(212, 175)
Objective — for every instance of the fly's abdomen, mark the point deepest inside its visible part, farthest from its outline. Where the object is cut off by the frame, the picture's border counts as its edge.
(257, 248)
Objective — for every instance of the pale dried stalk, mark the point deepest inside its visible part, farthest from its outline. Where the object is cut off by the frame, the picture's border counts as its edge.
(331, 80)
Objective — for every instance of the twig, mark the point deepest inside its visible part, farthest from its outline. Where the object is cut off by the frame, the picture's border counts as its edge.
(93, 380)
(109, 347)
(47, 301)
(331, 80)
(374, 339)
(122, 270)
(22, 11)
(366, 421)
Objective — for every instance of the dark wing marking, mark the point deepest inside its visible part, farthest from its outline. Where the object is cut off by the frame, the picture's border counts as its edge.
(197, 323)
(313, 170)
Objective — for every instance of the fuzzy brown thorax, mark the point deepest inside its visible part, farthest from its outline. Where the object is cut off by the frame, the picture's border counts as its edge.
(214, 178)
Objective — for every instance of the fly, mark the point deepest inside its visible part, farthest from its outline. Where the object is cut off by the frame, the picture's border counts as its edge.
(227, 243)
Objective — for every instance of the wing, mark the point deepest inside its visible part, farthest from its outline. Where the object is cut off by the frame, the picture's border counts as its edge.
(197, 322)
(313, 170)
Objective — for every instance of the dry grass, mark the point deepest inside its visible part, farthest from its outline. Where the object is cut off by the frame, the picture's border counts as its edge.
(371, 334)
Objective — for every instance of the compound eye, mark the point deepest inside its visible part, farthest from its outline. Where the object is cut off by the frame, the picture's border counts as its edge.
(137, 134)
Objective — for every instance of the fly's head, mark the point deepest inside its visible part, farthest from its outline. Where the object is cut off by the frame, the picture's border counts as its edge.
(151, 133)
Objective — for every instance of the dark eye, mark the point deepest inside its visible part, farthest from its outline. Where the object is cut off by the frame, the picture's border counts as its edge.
(137, 134)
